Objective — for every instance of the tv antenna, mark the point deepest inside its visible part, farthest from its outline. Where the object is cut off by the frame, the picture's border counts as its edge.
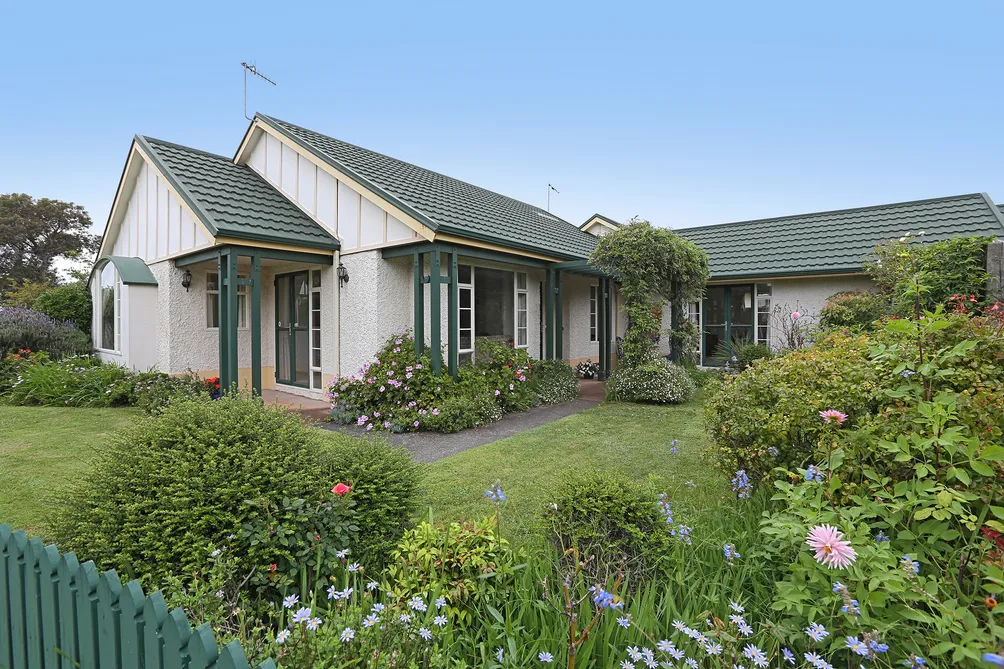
(253, 70)
(549, 189)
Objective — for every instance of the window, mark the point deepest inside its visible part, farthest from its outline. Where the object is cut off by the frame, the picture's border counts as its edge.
(521, 311)
(465, 288)
(694, 316)
(213, 301)
(315, 329)
(763, 295)
(110, 303)
(593, 301)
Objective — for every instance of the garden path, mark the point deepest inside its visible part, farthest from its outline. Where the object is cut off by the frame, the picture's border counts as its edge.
(432, 446)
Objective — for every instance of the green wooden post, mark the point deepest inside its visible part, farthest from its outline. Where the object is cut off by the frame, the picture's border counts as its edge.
(18, 546)
(232, 319)
(549, 315)
(177, 632)
(222, 265)
(87, 615)
(33, 602)
(256, 323)
(559, 352)
(202, 648)
(419, 302)
(608, 312)
(131, 602)
(435, 313)
(48, 563)
(601, 323)
(154, 615)
(452, 306)
(6, 605)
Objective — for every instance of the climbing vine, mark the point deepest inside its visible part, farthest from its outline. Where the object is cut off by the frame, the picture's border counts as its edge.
(654, 266)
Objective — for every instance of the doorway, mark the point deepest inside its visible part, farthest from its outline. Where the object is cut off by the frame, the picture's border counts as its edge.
(728, 321)
(292, 328)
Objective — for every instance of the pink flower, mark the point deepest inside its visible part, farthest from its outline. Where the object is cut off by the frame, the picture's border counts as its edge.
(416, 423)
(382, 389)
(435, 412)
(341, 489)
(795, 315)
(418, 366)
(831, 548)
(497, 393)
(832, 415)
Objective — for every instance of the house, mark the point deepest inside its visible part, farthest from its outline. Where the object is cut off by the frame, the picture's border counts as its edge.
(291, 262)
(764, 270)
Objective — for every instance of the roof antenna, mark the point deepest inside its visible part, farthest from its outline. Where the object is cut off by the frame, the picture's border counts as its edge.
(253, 70)
(549, 189)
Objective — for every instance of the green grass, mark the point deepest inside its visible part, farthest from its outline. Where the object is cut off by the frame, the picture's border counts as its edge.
(631, 439)
(43, 450)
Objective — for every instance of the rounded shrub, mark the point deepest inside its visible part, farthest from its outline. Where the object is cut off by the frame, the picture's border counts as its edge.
(385, 482)
(67, 303)
(854, 309)
(554, 381)
(188, 477)
(657, 381)
(612, 522)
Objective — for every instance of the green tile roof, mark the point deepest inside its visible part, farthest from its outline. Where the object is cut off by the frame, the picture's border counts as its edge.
(445, 204)
(232, 200)
(836, 242)
(602, 218)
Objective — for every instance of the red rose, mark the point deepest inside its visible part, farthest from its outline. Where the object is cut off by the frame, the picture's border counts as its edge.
(273, 567)
(341, 489)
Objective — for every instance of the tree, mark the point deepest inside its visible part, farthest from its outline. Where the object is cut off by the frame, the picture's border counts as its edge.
(71, 302)
(34, 233)
(654, 266)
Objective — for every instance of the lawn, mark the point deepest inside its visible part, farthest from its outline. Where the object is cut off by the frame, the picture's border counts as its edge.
(42, 451)
(631, 439)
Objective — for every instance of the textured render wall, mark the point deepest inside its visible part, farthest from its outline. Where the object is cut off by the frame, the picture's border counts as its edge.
(375, 302)
(575, 315)
(808, 295)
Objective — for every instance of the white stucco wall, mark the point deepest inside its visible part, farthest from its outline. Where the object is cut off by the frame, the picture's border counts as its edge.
(808, 295)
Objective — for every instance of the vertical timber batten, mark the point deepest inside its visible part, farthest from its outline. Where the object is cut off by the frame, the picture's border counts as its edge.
(419, 302)
(231, 319)
(256, 323)
(601, 324)
(452, 306)
(549, 315)
(558, 325)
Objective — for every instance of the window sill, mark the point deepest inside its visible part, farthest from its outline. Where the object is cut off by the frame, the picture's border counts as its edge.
(107, 350)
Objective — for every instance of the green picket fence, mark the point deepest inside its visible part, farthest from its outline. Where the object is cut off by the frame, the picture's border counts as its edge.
(58, 613)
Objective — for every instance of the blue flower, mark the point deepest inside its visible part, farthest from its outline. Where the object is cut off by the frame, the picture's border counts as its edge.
(907, 373)
(730, 552)
(737, 607)
(290, 601)
(741, 485)
(994, 658)
(601, 598)
(880, 537)
(909, 564)
(495, 493)
(816, 632)
(545, 657)
(813, 473)
(624, 621)
(789, 657)
(857, 646)
(425, 633)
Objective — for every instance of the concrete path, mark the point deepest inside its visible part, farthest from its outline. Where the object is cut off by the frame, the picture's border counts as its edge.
(432, 446)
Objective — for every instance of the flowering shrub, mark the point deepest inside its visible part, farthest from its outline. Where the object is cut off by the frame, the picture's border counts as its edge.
(657, 381)
(854, 310)
(399, 393)
(587, 369)
(184, 477)
(22, 328)
(553, 381)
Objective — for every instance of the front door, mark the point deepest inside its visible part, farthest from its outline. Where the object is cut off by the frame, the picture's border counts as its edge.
(728, 321)
(292, 326)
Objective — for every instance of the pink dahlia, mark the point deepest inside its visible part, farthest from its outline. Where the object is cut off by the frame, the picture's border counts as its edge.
(833, 416)
(831, 548)
(795, 315)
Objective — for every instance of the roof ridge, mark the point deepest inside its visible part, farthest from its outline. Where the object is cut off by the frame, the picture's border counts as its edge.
(186, 148)
(419, 167)
(873, 207)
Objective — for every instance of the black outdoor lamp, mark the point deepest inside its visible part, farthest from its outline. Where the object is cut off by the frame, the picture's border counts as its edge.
(186, 280)
(343, 274)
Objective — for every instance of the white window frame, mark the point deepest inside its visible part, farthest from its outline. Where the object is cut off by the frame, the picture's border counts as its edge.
(469, 287)
(243, 301)
(770, 297)
(98, 297)
(695, 314)
(315, 325)
(517, 291)
(594, 298)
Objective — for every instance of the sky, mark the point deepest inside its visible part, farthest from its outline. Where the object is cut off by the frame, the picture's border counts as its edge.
(681, 114)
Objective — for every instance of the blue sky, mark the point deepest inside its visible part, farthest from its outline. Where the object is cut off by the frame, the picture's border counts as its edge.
(684, 115)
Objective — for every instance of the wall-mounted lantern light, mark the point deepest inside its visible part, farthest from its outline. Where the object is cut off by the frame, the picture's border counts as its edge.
(343, 274)
(186, 280)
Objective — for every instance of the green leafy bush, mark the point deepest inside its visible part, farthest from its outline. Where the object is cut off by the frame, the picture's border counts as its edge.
(70, 303)
(553, 381)
(31, 330)
(854, 310)
(385, 486)
(611, 520)
(183, 478)
(748, 353)
(657, 381)
(398, 392)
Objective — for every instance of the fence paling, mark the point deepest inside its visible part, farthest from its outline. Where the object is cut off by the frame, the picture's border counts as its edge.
(56, 613)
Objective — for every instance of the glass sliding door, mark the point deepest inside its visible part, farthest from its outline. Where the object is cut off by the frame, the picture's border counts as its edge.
(292, 329)
(729, 322)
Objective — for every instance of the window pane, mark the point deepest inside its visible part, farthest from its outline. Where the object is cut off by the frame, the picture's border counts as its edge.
(242, 310)
(521, 280)
(521, 319)
(301, 356)
(714, 305)
(316, 380)
(315, 280)
(464, 273)
(522, 337)
(465, 298)
(302, 301)
(212, 310)
(465, 340)
(521, 301)
(465, 318)
(741, 305)
(316, 358)
(316, 338)
(212, 281)
(315, 301)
